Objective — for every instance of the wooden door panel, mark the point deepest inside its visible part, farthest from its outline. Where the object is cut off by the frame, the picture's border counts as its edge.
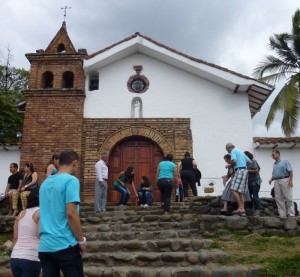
(143, 155)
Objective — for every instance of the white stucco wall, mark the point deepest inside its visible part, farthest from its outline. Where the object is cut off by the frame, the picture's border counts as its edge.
(217, 114)
(6, 158)
(263, 157)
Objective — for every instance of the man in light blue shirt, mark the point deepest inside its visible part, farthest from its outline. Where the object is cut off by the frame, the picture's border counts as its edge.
(61, 239)
(282, 176)
(239, 180)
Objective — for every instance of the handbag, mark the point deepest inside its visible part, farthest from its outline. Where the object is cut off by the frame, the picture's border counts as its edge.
(27, 181)
(32, 187)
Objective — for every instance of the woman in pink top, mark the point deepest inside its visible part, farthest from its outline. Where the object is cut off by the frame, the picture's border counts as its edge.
(24, 261)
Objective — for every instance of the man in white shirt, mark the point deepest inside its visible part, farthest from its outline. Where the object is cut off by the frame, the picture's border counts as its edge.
(101, 182)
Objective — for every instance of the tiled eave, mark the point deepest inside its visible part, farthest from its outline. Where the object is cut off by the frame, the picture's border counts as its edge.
(276, 142)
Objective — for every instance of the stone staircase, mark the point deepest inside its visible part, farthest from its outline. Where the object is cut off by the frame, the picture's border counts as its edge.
(138, 241)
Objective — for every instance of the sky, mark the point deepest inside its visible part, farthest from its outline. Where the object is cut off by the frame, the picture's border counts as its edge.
(231, 33)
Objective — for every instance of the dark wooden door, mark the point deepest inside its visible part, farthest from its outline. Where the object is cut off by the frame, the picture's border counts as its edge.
(144, 155)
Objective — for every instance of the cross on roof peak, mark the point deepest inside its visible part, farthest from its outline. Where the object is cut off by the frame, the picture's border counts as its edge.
(65, 8)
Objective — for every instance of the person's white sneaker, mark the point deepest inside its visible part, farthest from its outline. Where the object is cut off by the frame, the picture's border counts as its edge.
(146, 205)
(141, 205)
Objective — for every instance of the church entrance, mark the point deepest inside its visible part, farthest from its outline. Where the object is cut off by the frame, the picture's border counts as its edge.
(141, 153)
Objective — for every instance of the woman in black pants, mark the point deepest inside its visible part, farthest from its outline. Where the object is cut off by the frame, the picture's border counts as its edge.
(186, 171)
(166, 173)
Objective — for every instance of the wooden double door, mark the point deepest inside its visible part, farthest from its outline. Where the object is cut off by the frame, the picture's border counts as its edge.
(141, 153)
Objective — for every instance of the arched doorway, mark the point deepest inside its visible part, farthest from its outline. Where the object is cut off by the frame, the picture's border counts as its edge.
(139, 152)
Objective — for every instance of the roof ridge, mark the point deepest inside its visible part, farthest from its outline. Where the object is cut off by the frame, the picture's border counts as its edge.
(179, 53)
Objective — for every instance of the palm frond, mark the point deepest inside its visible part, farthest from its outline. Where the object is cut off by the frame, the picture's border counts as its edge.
(282, 44)
(296, 32)
(276, 106)
(279, 69)
(287, 101)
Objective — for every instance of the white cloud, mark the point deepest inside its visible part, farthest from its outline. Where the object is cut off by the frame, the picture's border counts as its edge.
(232, 33)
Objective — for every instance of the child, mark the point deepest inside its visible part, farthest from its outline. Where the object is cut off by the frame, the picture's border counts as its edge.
(145, 192)
(179, 190)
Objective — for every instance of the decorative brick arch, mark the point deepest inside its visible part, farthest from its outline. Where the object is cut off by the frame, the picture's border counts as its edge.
(151, 134)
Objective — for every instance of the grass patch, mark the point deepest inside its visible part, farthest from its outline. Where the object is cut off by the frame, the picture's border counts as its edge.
(278, 256)
(283, 267)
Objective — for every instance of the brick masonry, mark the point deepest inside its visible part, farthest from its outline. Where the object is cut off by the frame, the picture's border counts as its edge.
(172, 135)
(53, 119)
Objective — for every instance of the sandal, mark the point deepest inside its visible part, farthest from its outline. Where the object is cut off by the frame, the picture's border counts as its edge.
(241, 213)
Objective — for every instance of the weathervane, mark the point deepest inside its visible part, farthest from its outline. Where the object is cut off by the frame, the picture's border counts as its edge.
(65, 12)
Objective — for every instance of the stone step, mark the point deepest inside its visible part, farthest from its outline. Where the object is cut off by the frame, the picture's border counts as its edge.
(175, 206)
(150, 211)
(136, 227)
(141, 235)
(167, 271)
(133, 217)
(155, 259)
(163, 245)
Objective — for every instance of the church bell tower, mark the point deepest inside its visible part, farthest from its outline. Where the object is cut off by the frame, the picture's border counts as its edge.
(55, 96)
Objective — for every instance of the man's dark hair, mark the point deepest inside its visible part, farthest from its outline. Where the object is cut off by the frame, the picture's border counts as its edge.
(67, 157)
(276, 151)
(15, 165)
(227, 156)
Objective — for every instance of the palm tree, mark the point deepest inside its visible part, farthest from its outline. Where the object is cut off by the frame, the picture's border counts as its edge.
(284, 66)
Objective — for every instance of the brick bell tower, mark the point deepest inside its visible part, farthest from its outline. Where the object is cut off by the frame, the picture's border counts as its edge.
(55, 96)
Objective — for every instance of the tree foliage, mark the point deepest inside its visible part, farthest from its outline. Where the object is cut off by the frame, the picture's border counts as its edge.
(285, 65)
(12, 82)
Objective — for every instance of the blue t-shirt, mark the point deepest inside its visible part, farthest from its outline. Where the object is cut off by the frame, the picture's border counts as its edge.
(281, 169)
(55, 192)
(166, 169)
(240, 157)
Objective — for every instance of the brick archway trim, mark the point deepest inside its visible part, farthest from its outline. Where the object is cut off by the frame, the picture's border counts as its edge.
(149, 133)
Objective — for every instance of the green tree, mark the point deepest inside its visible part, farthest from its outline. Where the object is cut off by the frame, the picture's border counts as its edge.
(12, 82)
(285, 65)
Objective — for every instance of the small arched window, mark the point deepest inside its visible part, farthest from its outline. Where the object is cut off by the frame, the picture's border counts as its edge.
(47, 79)
(61, 48)
(68, 79)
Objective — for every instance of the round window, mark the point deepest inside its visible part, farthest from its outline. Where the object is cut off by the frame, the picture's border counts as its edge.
(138, 85)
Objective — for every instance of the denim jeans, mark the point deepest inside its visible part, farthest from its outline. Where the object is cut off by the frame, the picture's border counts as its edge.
(68, 260)
(145, 197)
(125, 194)
(25, 268)
(253, 191)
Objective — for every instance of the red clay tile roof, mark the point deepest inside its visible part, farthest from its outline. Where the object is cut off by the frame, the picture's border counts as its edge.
(274, 140)
(177, 52)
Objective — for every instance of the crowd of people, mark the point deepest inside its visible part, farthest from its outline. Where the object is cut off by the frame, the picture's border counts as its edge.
(169, 175)
(243, 182)
(47, 231)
